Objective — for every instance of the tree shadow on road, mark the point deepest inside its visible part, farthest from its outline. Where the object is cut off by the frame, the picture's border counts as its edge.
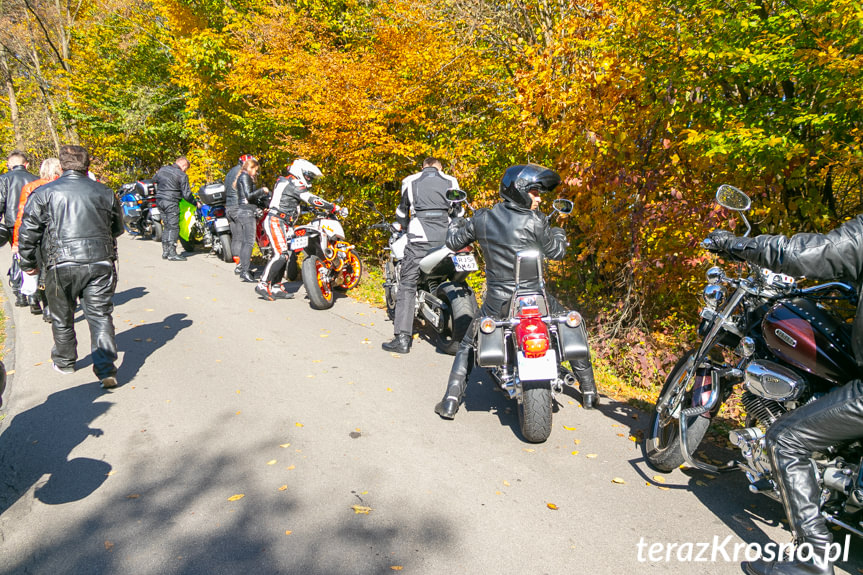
(128, 295)
(39, 441)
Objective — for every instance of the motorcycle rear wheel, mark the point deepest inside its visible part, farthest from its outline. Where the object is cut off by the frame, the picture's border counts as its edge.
(293, 270)
(156, 231)
(662, 446)
(462, 311)
(534, 412)
(319, 290)
(391, 287)
(225, 240)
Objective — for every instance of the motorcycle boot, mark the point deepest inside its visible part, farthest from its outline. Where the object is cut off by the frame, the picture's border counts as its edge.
(457, 385)
(247, 277)
(816, 563)
(279, 292)
(169, 247)
(35, 306)
(263, 290)
(21, 300)
(401, 343)
(586, 383)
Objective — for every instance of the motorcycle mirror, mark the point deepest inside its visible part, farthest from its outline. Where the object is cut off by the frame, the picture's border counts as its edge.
(562, 206)
(456, 196)
(732, 198)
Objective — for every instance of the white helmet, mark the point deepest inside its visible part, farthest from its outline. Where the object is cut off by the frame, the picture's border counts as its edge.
(305, 171)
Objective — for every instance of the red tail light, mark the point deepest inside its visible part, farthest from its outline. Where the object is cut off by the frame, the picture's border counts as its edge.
(219, 211)
(531, 332)
(300, 232)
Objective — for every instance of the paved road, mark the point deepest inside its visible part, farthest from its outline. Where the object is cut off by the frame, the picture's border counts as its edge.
(301, 413)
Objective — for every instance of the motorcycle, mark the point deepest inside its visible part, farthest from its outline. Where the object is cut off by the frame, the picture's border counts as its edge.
(330, 262)
(444, 300)
(525, 351)
(785, 346)
(140, 214)
(209, 223)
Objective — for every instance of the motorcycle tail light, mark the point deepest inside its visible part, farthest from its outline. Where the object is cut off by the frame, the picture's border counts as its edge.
(300, 233)
(532, 336)
(487, 325)
(573, 319)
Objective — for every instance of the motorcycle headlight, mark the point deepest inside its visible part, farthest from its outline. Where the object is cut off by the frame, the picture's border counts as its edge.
(713, 296)
(714, 275)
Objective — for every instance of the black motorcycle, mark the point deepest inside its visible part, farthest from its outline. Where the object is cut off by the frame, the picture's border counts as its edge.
(141, 216)
(444, 300)
(784, 346)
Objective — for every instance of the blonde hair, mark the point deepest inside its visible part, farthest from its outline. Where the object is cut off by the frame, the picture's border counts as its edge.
(50, 169)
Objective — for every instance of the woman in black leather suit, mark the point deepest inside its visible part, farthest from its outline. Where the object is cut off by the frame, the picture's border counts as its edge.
(244, 215)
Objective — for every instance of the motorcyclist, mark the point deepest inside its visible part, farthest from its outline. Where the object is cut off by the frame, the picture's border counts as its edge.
(231, 203)
(502, 231)
(424, 212)
(11, 184)
(284, 210)
(244, 216)
(834, 418)
(172, 185)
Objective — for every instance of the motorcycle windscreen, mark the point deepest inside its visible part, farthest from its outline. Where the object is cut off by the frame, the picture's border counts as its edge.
(187, 219)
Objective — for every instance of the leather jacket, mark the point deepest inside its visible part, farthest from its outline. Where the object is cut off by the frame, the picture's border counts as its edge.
(10, 193)
(836, 255)
(230, 191)
(287, 195)
(424, 210)
(246, 192)
(72, 219)
(172, 184)
(502, 231)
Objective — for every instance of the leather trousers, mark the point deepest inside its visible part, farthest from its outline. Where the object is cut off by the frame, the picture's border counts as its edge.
(92, 284)
(407, 295)
(170, 211)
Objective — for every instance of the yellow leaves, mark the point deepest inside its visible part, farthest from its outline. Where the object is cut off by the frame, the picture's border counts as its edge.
(361, 509)
(288, 532)
(659, 479)
(271, 462)
(618, 481)
(284, 445)
(551, 506)
(396, 567)
(283, 488)
(236, 497)
(591, 456)
(569, 428)
(298, 424)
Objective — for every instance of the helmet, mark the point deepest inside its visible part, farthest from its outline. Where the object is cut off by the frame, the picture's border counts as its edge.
(518, 180)
(305, 171)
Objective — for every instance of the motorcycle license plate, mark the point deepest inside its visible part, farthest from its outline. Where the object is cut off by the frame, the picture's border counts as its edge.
(537, 368)
(299, 243)
(464, 263)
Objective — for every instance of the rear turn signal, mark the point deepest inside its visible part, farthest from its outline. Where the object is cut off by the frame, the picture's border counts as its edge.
(573, 319)
(486, 325)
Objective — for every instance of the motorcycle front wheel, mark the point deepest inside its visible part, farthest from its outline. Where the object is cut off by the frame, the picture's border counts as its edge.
(662, 446)
(318, 289)
(351, 273)
(534, 412)
(227, 254)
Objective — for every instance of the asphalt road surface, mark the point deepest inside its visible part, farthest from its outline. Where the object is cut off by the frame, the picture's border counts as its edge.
(265, 437)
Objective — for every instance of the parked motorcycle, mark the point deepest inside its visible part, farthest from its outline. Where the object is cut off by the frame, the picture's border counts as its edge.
(526, 350)
(209, 224)
(140, 214)
(444, 300)
(330, 262)
(787, 346)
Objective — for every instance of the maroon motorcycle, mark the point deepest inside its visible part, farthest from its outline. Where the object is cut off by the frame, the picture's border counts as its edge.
(782, 346)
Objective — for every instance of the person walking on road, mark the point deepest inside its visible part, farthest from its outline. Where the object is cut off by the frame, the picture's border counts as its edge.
(75, 221)
(11, 184)
(425, 212)
(172, 185)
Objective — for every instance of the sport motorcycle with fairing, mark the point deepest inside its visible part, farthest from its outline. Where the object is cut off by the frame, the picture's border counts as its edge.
(783, 346)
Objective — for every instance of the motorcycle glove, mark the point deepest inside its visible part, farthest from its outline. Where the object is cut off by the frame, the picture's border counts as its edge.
(723, 241)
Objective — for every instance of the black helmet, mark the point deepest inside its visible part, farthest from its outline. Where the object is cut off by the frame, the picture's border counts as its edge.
(518, 180)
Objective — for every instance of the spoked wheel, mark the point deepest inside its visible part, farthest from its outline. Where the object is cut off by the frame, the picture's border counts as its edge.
(351, 272)
(462, 310)
(317, 287)
(534, 412)
(662, 447)
(391, 289)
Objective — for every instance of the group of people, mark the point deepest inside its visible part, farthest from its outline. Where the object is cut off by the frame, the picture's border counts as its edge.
(64, 226)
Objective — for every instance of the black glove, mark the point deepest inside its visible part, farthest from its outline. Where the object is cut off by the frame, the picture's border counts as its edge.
(4, 235)
(719, 241)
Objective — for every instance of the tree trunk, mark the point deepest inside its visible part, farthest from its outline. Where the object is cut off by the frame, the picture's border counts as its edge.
(13, 100)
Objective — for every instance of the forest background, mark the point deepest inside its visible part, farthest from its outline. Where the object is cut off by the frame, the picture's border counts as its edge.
(643, 106)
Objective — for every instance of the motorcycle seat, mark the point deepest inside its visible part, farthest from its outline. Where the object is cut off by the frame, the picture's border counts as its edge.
(428, 263)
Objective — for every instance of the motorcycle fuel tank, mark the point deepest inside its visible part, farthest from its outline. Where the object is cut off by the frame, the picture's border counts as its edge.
(810, 338)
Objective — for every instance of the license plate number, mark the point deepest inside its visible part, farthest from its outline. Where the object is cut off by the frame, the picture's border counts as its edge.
(537, 368)
(299, 243)
(464, 263)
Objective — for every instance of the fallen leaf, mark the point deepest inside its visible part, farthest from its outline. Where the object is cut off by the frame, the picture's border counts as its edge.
(259, 339)
(133, 496)
(551, 506)
(298, 424)
(288, 532)
(529, 450)
(569, 428)
(576, 441)
(663, 488)
(621, 435)
(238, 392)
(633, 438)
(506, 483)
(571, 402)
(659, 479)
(325, 335)
(389, 389)
(618, 480)
(10, 372)
(575, 452)
(591, 456)
(35, 364)
(108, 546)
(271, 462)
(285, 445)
(110, 473)
(238, 413)
(289, 467)
(149, 339)
(396, 567)
(361, 509)
(498, 493)
(236, 497)
(283, 488)
(149, 309)
(310, 376)
(701, 483)
(396, 355)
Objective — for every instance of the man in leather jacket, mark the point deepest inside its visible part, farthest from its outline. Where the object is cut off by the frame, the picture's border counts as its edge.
(11, 184)
(424, 212)
(834, 418)
(502, 231)
(74, 222)
(172, 185)
(284, 209)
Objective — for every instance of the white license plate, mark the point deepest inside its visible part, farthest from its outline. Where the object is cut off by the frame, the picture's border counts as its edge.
(537, 368)
(299, 243)
(154, 211)
(464, 263)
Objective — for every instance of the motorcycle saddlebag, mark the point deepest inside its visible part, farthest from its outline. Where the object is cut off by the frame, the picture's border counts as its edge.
(573, 342)
(212, 194)
(145, 188)
(490, 348)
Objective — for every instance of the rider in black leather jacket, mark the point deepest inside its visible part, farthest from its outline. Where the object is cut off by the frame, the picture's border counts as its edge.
(244, 215)
(834, 418)
(502, 231)
(11, 184)
(172, 185)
